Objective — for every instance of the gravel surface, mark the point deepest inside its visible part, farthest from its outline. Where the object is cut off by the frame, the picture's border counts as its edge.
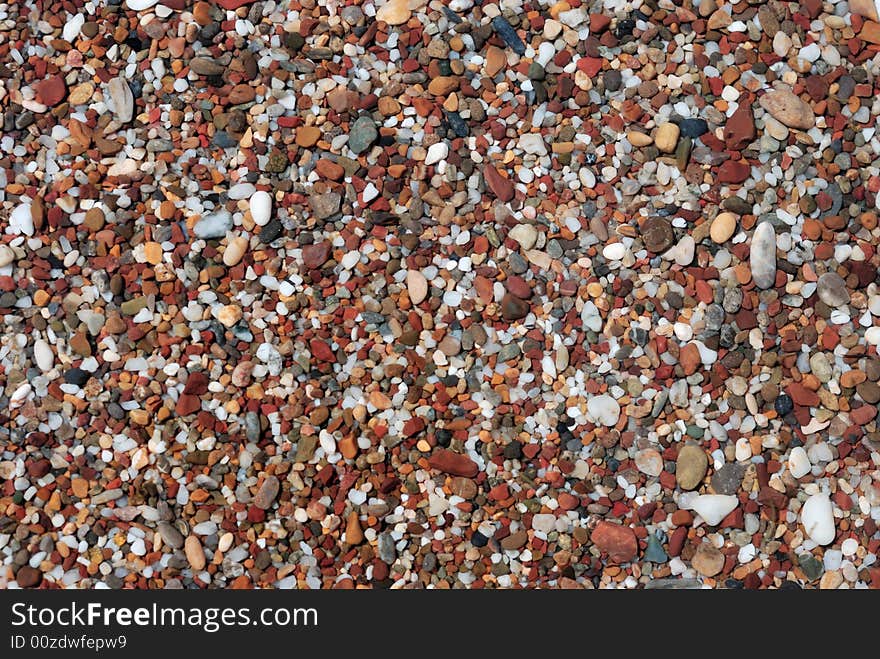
(305, 294)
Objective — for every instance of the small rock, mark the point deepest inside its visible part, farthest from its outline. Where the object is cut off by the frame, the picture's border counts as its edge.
(394, 12)
(265, 496)
(213, 226)
(832, 290)
(657, 234)
(235, 251)
(604, 410)
(170, 535)
(707, 560)
(690, 467)
(500, 186)
(315, 256)
(325, 205)
(453, 463)
(261, 207)
(817, 516)
(51, 91)
(525, 234)
(788, 108)
(666, 137)
(123, 100)
(798, 462)
(762, 258)
(619, 542)
(723, 227)
(436, 153)
(715, 507)
(43, 355)
(417, 286)
(194, 553)
(362, 134)
(7, 255)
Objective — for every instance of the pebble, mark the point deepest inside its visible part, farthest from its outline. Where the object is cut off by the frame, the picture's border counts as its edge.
(817, 517)
(723, 227)
(715, 507)
(214, 225)
(417, 286)
(762, 256)
(604, 409)
(261, 207)
(690, 467)
(788, 109)
(362, 133)
(394, 12)
(832, 290)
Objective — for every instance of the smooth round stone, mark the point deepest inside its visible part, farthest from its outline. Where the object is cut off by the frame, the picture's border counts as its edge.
(832, 290)
(43, 355)
(872, 335)
(140, 5)
(683, 331)
(417, 286)
(723, 228)
(7, 255)
(261, 207)
(817, 516)
(649, 462)
(614, 251)
(715, 507)
(798, 462)
(690, 467)
(604, 409)
(762, 259)
(657, 234)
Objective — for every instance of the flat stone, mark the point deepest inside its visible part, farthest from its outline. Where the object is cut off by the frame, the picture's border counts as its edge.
(603, 409)
(453, 463)
(417, 286)
(657, 234)
(707, 560)
(500, 186)
(362, 134)
(51, 91)
(619, 542)
(788, 108)
(325, 205)
(832, 290)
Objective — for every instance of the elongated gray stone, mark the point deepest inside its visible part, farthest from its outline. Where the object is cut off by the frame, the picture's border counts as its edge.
(763, 256)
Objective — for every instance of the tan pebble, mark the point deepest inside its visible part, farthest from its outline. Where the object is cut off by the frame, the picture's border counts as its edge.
(153, 253)
(417, 286)
(723, 228)
(666, 137)
(394, 12)
(638, 139)
(80, 487)
(194, 552)
(140, 417)
(235, 251)
(442, 85)
(225, 542)
(229, 315)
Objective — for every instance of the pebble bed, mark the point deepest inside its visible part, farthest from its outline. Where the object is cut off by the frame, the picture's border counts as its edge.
(396, 294)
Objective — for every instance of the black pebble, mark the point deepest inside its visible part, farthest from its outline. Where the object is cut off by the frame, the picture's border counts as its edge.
(783, 405)
(693, 127)
(76, 376)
